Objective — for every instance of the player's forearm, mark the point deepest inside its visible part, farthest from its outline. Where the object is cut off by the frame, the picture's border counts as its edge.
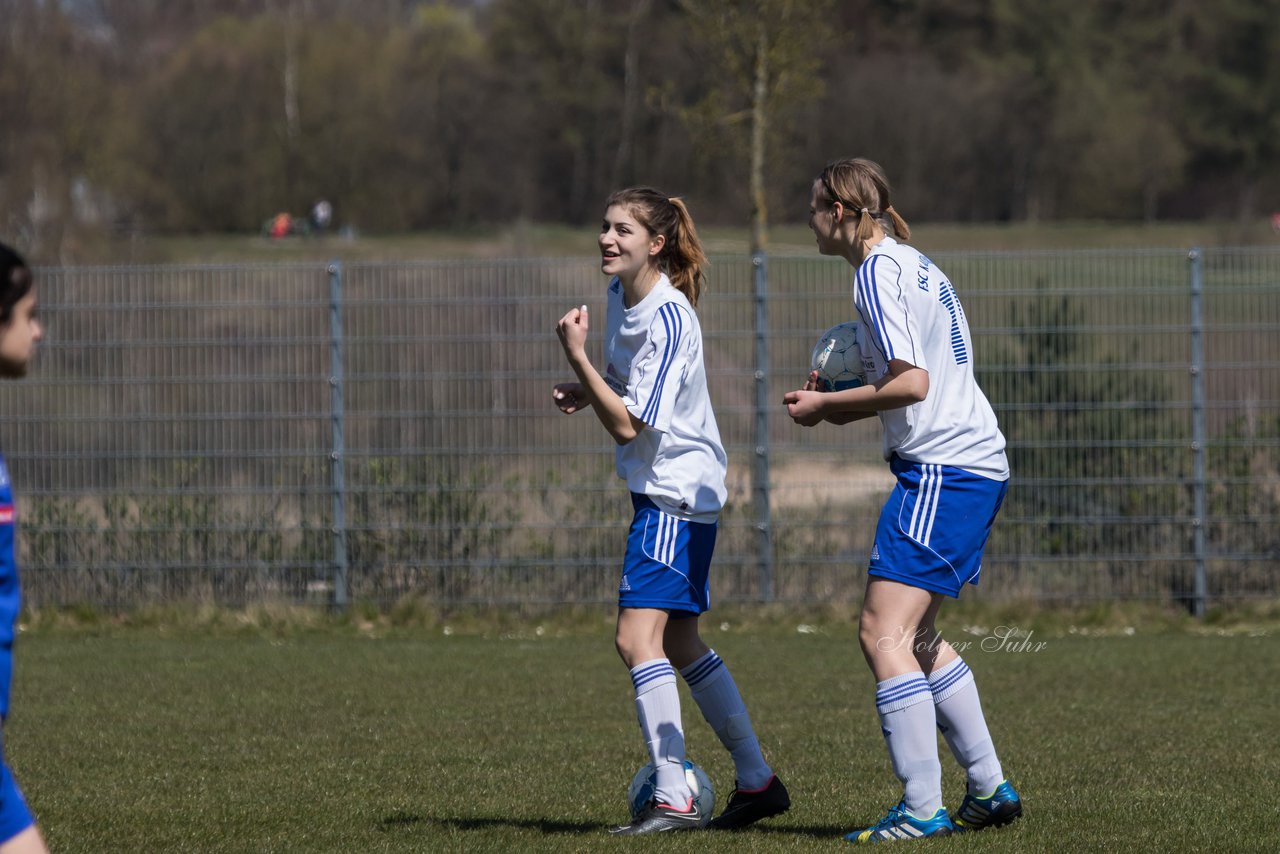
(606, 404)
(893, 391)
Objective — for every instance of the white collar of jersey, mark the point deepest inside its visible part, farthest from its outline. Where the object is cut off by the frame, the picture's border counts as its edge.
(662, 282)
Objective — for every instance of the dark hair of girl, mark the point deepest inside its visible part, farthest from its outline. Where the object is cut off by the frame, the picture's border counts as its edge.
(15, 281)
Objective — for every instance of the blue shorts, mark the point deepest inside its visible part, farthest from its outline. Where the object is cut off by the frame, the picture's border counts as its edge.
(934, 527)
(15, 817)
(667, 562)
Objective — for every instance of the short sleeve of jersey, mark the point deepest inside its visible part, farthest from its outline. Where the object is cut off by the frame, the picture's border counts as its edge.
(659, 369)
(881, 299)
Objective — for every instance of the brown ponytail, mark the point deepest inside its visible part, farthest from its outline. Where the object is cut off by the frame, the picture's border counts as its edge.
(684, 256)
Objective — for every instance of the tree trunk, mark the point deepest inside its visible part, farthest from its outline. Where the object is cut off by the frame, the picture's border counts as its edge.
(623, 167)
(584, 141)
(759, 123)
(292, 123)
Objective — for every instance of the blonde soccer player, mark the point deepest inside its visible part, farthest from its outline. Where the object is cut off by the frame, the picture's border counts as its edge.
(946, 451)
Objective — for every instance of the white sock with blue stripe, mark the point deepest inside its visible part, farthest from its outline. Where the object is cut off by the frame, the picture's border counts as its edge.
(717, 696)
(905, 704)
(658, 709)
(959, 711)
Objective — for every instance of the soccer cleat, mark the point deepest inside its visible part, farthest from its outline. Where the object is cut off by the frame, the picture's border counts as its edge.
(656, 818)
(747, 806)
(995, 810)
(901, 824)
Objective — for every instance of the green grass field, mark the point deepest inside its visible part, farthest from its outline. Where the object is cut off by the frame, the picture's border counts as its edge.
(368, 737)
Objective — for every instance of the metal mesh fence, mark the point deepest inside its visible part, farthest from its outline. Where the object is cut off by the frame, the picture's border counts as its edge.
(384, 432)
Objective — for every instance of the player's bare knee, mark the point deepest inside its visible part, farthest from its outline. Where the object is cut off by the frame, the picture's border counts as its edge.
(626, 647)
(870, 633)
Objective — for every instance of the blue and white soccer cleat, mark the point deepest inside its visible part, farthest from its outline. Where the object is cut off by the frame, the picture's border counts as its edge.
(995, 810)
(901, 824)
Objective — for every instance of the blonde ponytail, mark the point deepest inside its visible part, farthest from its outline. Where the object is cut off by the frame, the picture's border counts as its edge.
(862, 188)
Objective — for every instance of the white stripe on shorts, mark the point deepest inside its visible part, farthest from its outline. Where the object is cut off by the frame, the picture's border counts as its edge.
(664, 539)
(926, 509)
(673, 530)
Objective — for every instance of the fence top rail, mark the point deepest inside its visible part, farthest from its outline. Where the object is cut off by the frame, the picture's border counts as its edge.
(323, 266)
(172, 268)
(1109, 252)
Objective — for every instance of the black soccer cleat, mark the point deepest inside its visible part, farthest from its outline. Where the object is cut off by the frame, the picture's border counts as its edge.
(748, 807)
(656, 818)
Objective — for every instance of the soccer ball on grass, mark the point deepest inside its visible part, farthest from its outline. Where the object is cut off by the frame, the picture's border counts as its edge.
(645, 783)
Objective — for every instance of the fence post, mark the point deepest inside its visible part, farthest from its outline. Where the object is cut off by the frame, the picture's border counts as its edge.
(1200, 522)
(761, 475)
(337, 452)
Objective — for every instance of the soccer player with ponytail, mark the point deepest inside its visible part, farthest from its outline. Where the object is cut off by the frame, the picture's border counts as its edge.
(947, 453)
(653, 401)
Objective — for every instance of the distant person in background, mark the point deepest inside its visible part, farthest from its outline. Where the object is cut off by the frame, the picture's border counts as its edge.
(281, 226)
(653, 401)
(321, 216)
(946, 451)
(20, 331)
(1275, 222)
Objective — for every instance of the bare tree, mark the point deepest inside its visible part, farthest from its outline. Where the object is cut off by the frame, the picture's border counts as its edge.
(767, 54)
(622, 162)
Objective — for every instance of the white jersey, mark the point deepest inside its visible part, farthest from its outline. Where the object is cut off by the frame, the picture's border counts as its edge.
(910, 312)
(654, 354)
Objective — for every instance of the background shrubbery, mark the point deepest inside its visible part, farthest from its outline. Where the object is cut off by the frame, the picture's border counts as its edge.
(148, 117)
